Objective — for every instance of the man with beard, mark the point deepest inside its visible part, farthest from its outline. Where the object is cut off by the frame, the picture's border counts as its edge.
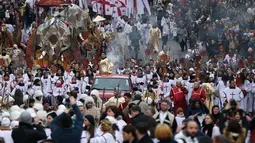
(165, 117)
(188, 134)
(232, 92)
(177, 95)
(198, 93)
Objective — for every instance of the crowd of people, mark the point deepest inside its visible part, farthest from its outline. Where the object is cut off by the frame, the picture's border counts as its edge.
(180, 101)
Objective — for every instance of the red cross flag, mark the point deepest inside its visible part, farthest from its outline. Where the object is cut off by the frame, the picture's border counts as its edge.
(100, 8)
(118, 3)
(122, 11)
(108, 9)
(115, 12)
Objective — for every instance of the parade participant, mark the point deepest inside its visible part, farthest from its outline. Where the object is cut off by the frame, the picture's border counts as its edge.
(165, 31)
(135, 37)
(166, 85)
(68, 74)
(117, 99)
(232, 92)
(198, 93)
(58, 89)
(98, 101)
(21, 86)
(105, 65)
(155, 35)
(89, 129)
(164, 116)
(124, 106)
(210, 93)
(91, 109)
(150, 97)
(177, 95)
(107, 136)
(46, 84)
(6, 87)
(74, 85)
(140, 79)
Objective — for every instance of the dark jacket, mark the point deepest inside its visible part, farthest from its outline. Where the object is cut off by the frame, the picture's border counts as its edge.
(134, 141)
(145, 139)
(67, 135)
(26, 133)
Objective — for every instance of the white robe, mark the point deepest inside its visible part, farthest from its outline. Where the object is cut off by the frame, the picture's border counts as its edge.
(105, 138)
(85, 136)
(141, 80)
(166, 87)
(7, 136)
(47, 86)
(219, 88)
(251, 101)
(235, 94)
(247, 86)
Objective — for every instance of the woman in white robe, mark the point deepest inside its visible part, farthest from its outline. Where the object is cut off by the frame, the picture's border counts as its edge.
(107, 136)
(89, 129)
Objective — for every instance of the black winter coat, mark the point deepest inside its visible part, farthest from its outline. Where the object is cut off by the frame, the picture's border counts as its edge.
(26, 133)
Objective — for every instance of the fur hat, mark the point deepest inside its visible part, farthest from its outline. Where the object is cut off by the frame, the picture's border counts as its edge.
(41, 115)
(15, 115)
(111, 119)
(89, 99)
(26, 117)
(14, 124)
(61, 109)
(11, 99)
(38, 93)
(38, 106)
(94, 92)
(5, 122)
(83, 96)
(31, 111)
(5, 114)
(14, 108)
(79, 103)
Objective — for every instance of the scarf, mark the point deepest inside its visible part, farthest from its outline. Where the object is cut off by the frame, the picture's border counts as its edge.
(208, 129)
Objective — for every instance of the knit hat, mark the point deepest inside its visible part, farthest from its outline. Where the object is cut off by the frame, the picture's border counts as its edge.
(111, 119)
(14, 108)
(15, 115)
(89, 99)
(25, 117)
(91, 119)
(5, 114)
(14, 124)
(41, 115)
(31, 111)
(38, 93)
(94, 92)
(38, 106)
(5, 122)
